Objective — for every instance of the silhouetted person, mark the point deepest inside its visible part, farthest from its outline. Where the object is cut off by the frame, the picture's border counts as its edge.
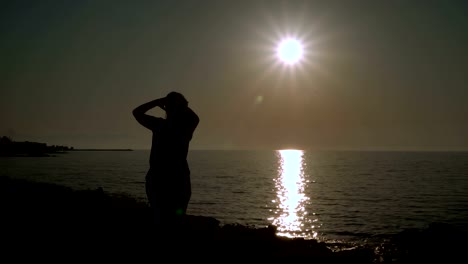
(168, 186)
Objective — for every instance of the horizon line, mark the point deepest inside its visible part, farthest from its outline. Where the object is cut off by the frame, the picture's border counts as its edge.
(276, 149)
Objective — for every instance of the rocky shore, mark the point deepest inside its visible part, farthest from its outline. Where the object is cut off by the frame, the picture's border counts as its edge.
(46, 221)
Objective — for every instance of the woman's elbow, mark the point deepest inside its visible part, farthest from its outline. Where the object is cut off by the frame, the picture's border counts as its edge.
(136, 113)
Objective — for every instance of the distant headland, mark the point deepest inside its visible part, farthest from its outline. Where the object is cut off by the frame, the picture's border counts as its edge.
(102, 149)
(11, 148)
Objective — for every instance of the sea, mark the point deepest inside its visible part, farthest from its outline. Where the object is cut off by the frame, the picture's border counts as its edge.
(353, 196)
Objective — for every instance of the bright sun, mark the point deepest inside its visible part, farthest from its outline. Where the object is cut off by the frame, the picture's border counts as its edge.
(290, 51)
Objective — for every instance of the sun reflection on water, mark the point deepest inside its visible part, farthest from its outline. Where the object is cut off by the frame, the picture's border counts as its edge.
(291, 216)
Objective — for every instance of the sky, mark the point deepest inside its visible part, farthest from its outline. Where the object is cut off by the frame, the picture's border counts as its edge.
(377, 75)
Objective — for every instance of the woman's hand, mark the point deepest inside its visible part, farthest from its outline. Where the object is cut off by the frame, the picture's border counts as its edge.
(162, 102)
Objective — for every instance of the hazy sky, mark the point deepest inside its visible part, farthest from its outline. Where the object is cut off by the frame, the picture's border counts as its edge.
(377, 74)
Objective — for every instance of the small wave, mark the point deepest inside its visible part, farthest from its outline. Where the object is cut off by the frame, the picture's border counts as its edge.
(206, 203)
(351, 234)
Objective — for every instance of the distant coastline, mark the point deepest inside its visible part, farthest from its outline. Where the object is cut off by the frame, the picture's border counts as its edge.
(102, 150)
(11, 148)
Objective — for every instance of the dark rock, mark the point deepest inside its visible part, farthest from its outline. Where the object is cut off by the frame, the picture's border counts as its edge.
(48, 219)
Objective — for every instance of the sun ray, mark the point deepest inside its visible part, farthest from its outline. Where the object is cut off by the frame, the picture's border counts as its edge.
(306, 69)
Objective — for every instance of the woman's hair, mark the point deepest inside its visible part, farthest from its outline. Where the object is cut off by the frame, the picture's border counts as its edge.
(176, 100)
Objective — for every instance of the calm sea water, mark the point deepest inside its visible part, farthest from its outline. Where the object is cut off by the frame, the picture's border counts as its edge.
(323, 195)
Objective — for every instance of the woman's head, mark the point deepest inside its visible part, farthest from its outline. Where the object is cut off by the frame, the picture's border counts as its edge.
(175, 102)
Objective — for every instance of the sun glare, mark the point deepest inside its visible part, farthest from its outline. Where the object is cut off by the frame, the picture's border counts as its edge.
(290, 51)
(291, 217)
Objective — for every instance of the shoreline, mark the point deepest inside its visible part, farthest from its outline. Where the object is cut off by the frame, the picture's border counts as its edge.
(46, 215)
